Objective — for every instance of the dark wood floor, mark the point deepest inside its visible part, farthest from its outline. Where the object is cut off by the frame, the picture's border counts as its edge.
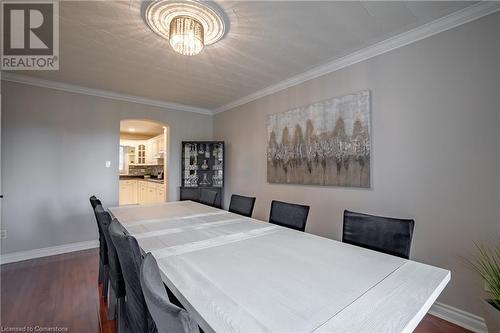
(61, 291)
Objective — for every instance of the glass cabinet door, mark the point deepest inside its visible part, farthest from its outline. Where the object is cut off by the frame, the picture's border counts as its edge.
(218, 164)
(202, 164)
(190, 165)
(141, 154)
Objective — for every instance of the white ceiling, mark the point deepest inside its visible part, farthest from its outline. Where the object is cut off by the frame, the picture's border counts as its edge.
(106, 45)
(141, 127)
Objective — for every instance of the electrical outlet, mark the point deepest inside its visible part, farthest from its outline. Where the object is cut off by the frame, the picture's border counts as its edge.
(108, 164)
(3, 233)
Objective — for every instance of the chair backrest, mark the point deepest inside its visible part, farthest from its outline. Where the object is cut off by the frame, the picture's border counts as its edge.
(94, 201)
(129, 253)
(208, 197)
(103, 246)
(289, 215)
(242, 205)
(384, 234)
(167, 316)
(115, 271)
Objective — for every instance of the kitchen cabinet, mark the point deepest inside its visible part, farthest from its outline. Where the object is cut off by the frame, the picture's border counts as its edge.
(141, 154)
(128, 192)
(146, 152)
(141, 191)
(160, 193)
(155, 148)
(150, 192)
(137, 151)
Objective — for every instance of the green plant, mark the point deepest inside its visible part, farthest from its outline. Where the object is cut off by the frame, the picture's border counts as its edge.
(487, 264)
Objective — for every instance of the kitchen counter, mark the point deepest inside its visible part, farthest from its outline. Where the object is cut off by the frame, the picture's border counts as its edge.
(152, 180)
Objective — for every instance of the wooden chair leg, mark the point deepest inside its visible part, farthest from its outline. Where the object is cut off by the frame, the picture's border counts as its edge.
(100, 278)
(112, 304)
(120, 322)
(105, 283)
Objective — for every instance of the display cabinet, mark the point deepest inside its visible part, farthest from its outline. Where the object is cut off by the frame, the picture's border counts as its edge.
(202, 167)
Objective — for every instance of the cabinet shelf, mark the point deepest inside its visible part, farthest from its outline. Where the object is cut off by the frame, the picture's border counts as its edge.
(196, 154)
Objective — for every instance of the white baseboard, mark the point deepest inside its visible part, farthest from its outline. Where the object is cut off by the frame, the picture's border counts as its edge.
(441, 310)
(47, 251)
(459, 317)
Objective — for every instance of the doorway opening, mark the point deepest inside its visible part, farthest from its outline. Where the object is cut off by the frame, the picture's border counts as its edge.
(143, 162)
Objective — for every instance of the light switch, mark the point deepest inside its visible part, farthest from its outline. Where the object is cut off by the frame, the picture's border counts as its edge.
(108, 164)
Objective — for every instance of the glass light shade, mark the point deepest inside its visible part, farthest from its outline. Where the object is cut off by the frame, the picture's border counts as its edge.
(186, 35)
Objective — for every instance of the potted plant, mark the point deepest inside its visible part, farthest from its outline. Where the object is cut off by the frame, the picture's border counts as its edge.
(487, 264)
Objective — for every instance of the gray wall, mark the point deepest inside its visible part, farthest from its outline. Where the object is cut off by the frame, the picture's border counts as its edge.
(54, 148)
(436, 148)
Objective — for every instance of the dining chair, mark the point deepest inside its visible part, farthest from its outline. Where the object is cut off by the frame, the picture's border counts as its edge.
(208, 197)
(167, 316)
(384, 234)
(103, 257)
(242, 205)
(116, 290)
(137, 317)
(289, 215)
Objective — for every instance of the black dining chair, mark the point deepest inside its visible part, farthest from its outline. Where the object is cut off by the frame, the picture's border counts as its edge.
(383, 234)
(289, 215)
(137, 317)
(103, 257)
(208, 197)
(242, 205)
(116, 297)
(167, 316)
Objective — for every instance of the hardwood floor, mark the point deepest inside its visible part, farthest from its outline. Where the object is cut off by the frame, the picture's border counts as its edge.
(61, 291)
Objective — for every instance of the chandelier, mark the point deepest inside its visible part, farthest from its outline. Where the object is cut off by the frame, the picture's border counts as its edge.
(186, 35)
(189, 26)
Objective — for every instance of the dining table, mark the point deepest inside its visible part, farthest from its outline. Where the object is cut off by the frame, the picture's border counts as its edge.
(238, 274)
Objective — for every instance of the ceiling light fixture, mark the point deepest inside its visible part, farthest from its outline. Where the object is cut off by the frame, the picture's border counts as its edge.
(186, 35)
(187, 25)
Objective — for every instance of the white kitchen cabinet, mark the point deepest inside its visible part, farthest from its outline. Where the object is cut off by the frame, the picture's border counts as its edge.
(141, 192)
(149, 153)
(141, 154)
(151, 193)
(154, 149)
(160, 193)
(128, 192)
(138, 151)
(146, 152)
(161, 143)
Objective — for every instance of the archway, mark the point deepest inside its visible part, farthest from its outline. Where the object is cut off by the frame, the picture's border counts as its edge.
(143, 162)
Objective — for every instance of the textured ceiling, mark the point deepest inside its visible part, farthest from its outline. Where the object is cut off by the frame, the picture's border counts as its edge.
(106, 45)
(142, 127)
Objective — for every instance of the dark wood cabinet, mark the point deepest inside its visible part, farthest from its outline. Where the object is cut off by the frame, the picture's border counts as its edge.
(202, 166)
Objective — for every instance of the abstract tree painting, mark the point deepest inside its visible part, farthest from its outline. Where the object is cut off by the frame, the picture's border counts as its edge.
(325, 143)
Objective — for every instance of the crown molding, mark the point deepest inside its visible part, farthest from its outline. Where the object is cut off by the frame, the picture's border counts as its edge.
(24, 79)
(445, 23)
(450, 21)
